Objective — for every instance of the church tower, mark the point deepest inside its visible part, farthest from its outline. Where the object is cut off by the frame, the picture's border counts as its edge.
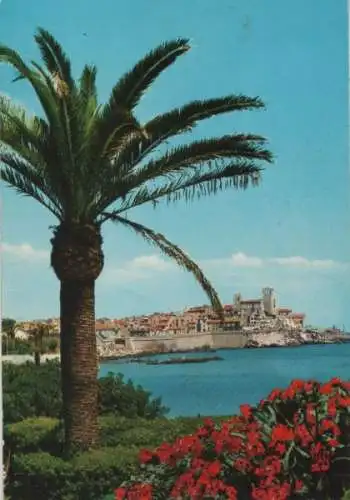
(269, 300)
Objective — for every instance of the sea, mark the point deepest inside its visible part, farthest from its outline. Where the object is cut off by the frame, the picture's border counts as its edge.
(243, 376)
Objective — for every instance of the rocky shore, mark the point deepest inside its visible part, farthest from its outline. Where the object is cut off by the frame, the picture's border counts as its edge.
(290, 339)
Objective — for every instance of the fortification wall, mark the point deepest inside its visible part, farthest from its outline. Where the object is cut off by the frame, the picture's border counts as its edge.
(229, 340)
(183, 342)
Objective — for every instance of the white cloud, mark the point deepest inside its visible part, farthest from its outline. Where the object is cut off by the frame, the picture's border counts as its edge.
(242, 260)
(153, 262)
(298, 261)
(24, 252)
(139, 268)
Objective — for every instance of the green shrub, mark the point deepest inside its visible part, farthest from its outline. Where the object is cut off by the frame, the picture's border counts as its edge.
(88, 476)
(34, 434)
(46, 434)
(31, 391)
(124, 398)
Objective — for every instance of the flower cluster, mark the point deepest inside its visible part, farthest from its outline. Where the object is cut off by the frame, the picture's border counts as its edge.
(280, 448)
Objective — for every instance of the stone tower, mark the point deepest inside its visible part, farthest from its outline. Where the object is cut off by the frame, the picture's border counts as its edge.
(269, 300)
(237, 301)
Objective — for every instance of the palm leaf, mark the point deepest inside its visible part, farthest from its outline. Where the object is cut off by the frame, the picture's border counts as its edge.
(42, 91)
(54, 57)
(194, 156)
(130, 88)
(175, 253)
(117, 119)
(24, 185)
(180, 120)
(188, 185)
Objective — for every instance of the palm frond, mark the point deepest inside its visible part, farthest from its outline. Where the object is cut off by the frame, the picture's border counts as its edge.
(55, 59)
(195, 156)
(42, 91)
(87, 83)
(31, 139)
(175, 253)
(178, 121)
(130, 88)
(117, 120)
(196, 184)
(24, 184)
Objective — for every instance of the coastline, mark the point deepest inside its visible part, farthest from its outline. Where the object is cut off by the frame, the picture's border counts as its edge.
(254, 341)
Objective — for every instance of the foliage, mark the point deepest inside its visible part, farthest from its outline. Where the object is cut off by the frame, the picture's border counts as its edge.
(31, 391)
(34, 434)
(46, 434)
(88, 476)
(16, 346)
(8, 326)
(36, 446)
(20, 346)
(289, 445)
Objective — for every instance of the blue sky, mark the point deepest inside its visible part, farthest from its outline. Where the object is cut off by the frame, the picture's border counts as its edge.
(291, 233)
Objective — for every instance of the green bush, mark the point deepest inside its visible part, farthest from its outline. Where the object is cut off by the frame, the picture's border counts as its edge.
(31, 391)
(16, 346)
(46, 434)
(89, 476)
(124, 398)
(34, 434)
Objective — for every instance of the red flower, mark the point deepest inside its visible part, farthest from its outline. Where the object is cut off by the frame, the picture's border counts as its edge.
(333, 443)
(231, 492)
(303, 435)
(242, 465)
(120, 493)
(335, 381)
(308, 387)
(246, 411)
(326, 388)
(275, 394)
(328, 425)
(209, 423)
(280, 448)
(299, 486)
(282, 433)
(145, 456)
(320, 458)
(140, 492)
(214, 468)
(344, 402)
(310, 414)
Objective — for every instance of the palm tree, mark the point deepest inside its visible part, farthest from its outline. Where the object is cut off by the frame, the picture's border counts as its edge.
(89, 163)
(37, 334)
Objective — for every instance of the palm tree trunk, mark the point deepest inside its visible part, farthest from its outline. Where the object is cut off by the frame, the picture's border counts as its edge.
(37, 358)
(79, 364)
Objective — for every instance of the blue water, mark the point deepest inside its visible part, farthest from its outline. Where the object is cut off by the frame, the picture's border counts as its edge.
(244, 376)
